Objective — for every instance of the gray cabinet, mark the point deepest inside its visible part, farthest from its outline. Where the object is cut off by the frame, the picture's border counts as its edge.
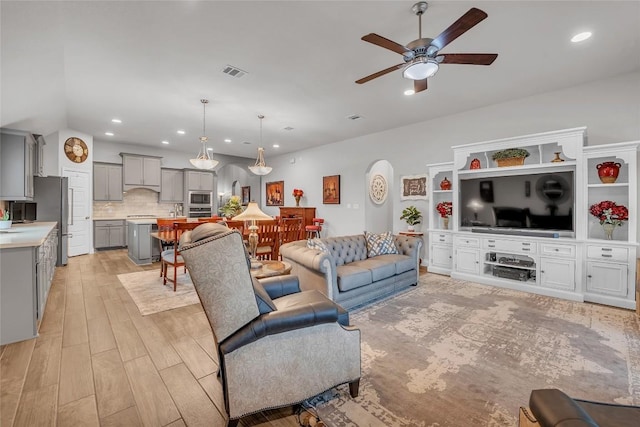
(172, 190)
(107, 182)
(141, 172)
(17, 157)
(139, 243)
(199, 181)
(39, 156)
(108, 234)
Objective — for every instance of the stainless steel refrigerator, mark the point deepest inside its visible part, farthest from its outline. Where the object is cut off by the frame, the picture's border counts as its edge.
(51, 195)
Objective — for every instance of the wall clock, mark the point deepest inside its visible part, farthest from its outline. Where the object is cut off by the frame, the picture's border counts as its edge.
(378, 189)
(76, 150)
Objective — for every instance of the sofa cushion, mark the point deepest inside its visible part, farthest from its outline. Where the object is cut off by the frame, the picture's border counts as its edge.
(402, 263)
(380, 268)
(351, 276)
(380, 244)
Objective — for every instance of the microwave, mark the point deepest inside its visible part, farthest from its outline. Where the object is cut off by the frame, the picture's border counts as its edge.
(22, 211)
(200, 198)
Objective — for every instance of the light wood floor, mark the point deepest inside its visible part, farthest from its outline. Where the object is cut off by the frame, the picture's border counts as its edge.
(97, 361)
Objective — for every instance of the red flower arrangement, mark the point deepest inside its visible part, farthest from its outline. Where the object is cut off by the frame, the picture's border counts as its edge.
(608, 212)
(297, 192)
(445, 209)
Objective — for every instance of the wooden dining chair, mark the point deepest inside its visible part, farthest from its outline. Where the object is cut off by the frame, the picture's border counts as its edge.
(291, 229)
(268, 240)
(165, 231)
(173, 257)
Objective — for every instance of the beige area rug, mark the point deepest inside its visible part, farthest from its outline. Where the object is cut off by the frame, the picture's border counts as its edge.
(453, 353)
(151, 296)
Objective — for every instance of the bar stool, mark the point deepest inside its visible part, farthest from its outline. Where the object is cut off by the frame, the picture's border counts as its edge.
(314, 229)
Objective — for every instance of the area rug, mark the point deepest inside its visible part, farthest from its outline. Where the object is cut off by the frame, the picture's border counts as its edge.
(151, 296)
(454, 353)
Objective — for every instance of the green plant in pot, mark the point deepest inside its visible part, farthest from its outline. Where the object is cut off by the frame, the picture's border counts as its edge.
(510, 157)
(232, 207)
(412, 217)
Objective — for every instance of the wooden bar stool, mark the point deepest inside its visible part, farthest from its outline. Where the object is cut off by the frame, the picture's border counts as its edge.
(314, 229)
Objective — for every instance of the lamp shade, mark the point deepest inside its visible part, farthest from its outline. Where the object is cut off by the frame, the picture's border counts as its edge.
(420, 69)
(252, 212)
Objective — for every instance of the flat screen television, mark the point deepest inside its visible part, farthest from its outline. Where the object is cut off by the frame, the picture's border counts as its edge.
(534, 201)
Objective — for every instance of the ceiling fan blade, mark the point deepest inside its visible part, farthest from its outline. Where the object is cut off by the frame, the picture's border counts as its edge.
(469, 58)
(385, 43)
(458, 28)
(419, 85)
(379, 73)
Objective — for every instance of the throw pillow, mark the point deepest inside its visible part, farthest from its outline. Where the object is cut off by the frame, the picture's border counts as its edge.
(380, 244)
(264, 301)
(317, 244)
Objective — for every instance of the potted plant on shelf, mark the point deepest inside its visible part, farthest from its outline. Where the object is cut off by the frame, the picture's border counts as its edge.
(445, 209)
(510, 157)
(232, 208)
(412, 216)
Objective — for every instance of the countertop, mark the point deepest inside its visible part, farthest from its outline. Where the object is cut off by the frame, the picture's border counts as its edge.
(26, 235)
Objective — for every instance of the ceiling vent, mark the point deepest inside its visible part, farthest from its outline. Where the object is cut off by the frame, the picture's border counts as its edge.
(354, 117)
(288, 128)
(232, 71)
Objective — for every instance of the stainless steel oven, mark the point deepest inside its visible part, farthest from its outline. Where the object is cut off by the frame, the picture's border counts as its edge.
(195, 212)
(200, 198)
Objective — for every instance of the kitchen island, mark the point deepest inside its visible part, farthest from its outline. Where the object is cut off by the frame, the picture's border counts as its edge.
(28, 254)
(142, 248)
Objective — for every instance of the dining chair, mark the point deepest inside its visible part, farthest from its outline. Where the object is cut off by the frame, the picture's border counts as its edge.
(173, 257)
(268, 240)
(165, 232)
(291, 229)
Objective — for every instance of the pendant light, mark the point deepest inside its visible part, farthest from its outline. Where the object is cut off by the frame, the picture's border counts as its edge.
(260, 168)
(203, 160)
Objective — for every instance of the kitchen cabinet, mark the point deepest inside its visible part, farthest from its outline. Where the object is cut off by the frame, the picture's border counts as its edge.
(107, 182)
(172, 190)
(141, 172)
(108, 234)
(199, 181)
(467, 261)
(17, 157)
(558, 273)
(142, 248)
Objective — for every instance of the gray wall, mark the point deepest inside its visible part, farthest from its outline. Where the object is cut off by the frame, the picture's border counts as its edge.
(609, 108)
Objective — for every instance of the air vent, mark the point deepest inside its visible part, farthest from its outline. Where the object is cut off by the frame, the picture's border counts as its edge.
(354, 117)
(288, 128)
(232, 71)
(246, 143)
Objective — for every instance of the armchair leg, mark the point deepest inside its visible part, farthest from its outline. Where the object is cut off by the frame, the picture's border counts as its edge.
(354, 387)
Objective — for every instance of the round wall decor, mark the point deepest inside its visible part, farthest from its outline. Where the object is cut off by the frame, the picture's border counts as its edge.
(378, 189)
(76, 150)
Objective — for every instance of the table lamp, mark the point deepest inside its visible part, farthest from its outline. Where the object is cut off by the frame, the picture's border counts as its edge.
(253, 213)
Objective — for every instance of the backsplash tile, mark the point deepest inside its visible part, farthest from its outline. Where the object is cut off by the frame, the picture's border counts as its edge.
(138, 201)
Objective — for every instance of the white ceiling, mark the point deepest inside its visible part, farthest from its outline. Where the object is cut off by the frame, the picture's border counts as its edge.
(77, 65)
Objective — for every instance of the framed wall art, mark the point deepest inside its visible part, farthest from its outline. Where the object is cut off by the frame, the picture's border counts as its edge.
(331, 190)
(275, 193)
(414, 187)
(246, 195)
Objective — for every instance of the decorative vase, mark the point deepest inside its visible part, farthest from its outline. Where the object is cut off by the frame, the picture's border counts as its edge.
(411, 228)
(475, 164)
(297, 200)
(445, 222)
(4, 225)
(557, 158)
(445, 184)
(608, 172)
(608, 230)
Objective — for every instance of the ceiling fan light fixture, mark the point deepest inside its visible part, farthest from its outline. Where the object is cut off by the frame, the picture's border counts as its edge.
(260, 168)
(203, 160)
(421, 68)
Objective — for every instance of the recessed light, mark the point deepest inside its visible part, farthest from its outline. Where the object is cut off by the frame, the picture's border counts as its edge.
(109, 133)
(165, 142)
(209, 149)
(409, 92)
(580, 37)
(116, 120)
(276, 145)
(227, 140)
(181, 132)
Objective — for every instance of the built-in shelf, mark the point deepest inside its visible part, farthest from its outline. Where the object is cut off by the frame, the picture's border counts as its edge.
(518, 170)
(520, 267)
(442, 191)
(615, 184)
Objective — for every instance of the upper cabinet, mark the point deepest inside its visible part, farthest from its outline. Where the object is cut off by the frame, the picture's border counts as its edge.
(141, 172)
(199, 181)
(172, 186)
(107, 182)
(17, 158)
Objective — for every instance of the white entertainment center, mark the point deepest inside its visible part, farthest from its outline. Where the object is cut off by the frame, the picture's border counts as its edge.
(577, 263)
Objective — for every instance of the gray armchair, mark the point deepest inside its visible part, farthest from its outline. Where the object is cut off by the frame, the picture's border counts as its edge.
(277, 346)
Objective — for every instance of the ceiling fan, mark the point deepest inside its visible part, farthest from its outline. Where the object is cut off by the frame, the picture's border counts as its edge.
(422, 56)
